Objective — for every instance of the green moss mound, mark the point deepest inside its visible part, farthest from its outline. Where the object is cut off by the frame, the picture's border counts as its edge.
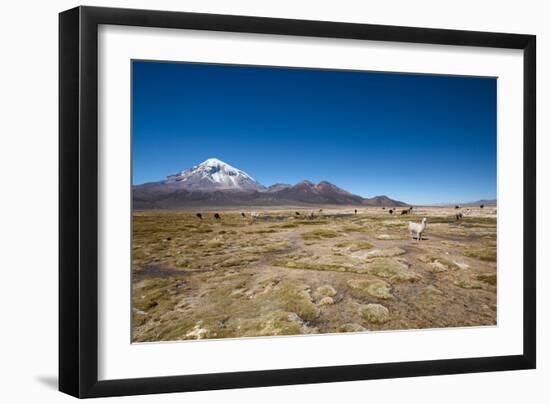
(374, 288)
(374, 313)
(392, 269)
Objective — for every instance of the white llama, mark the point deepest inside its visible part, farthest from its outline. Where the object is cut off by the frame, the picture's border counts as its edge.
(417, 228)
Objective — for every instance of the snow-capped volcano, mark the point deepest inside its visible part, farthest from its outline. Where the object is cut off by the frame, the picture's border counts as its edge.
(214, 174)
(215, 183)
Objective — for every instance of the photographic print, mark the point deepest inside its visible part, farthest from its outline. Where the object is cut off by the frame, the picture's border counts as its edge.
(275, 201)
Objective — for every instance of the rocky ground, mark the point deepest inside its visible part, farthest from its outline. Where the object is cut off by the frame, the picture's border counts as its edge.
(287, 274)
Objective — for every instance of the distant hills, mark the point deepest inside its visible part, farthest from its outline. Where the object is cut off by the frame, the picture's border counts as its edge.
(215, 183)
(487, 202)
(481, 202)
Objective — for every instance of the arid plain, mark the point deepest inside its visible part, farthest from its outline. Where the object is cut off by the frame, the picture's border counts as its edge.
(296, 270)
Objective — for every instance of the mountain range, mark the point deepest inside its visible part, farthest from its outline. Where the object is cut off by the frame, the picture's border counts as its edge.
(215, 183)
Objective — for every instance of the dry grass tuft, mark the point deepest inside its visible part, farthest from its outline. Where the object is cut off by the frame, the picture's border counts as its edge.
(319, 234)
(374, 313)
(372, 288)
(393, 270)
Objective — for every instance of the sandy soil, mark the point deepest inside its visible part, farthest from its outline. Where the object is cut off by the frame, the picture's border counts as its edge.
(284, 273)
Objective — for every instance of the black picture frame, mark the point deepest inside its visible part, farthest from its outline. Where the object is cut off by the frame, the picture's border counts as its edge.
(78, 201)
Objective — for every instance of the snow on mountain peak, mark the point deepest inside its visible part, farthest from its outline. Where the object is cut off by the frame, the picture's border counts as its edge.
(212, 162)
(214, 174)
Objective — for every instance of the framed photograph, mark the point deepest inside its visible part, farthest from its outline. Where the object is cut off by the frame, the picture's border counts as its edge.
(251, 201)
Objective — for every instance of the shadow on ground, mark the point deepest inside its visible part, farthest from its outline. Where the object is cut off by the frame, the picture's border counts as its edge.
(48, 381)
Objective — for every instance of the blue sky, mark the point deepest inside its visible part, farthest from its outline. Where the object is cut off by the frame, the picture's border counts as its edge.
(421, 139)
